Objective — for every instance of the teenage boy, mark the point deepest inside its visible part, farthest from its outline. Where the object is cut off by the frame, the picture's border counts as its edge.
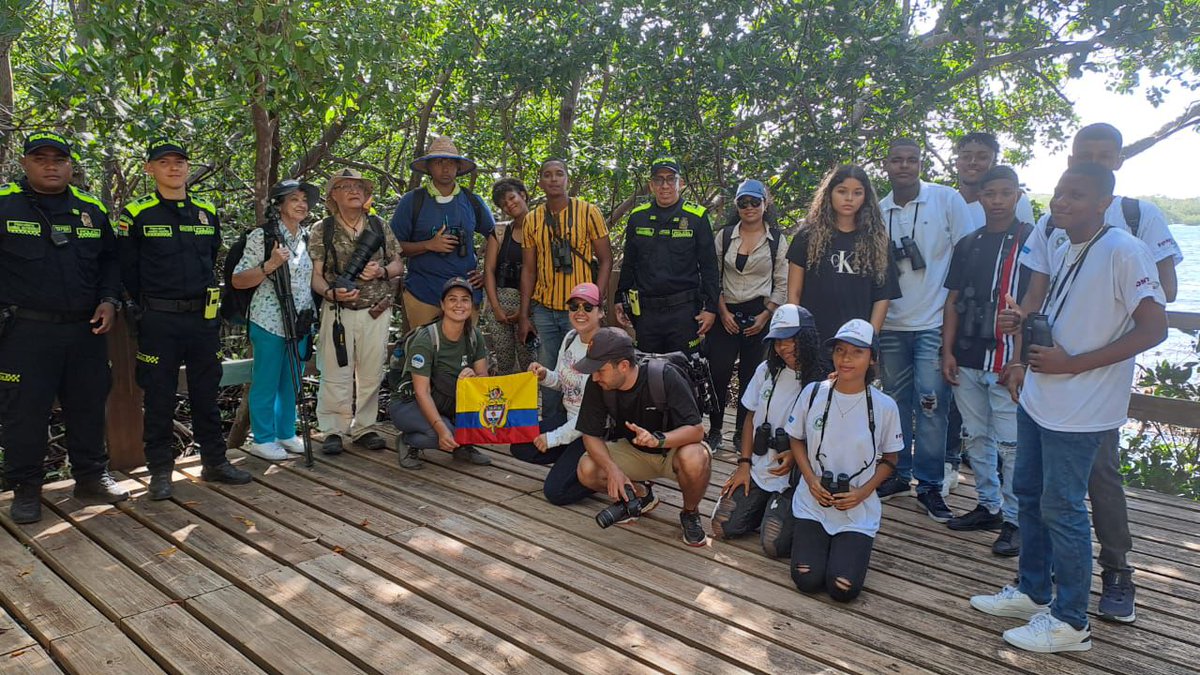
(974, 155)
(1101, 143)
(1104, 307)
(984, 270)
(924, 222)
(649, 439)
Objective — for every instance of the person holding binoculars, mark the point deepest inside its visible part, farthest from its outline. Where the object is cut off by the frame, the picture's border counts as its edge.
(502, 280)
(838, 513)
(356, 265)
(759, 493)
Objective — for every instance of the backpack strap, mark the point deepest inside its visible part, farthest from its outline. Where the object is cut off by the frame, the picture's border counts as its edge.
(1132, 210)
(813, 396)
(658, 388)
(569, 339)
(773, 243)
(418, 202)
(1049, 226)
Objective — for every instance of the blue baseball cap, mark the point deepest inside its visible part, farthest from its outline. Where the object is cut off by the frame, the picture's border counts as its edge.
(753, 188)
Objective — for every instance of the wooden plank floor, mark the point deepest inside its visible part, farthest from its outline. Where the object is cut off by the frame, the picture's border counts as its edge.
(357, 565)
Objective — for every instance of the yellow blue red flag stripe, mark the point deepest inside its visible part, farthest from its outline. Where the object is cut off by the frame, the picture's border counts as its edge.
(496, 410)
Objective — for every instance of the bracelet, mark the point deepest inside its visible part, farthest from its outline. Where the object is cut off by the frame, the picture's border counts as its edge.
(743, 460)
(386, 275)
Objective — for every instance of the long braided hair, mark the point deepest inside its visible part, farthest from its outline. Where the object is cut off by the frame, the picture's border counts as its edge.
(871, 242)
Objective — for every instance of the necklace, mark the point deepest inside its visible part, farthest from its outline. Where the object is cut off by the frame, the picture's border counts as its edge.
(846, 411)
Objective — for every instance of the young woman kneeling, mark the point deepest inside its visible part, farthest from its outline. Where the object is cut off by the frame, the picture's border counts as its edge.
(838, 514)
(759, 493)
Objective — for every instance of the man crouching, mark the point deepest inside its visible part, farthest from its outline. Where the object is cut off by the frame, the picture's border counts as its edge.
(655, 431)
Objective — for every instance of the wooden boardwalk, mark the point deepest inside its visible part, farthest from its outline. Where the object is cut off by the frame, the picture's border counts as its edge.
(359, 566)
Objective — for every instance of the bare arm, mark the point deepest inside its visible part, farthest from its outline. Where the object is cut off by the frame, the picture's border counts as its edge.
(491, 252)
(795, 288)
(1149, 329)
(603, 248)
(878, 314)
(528, 279)
(1167, 278)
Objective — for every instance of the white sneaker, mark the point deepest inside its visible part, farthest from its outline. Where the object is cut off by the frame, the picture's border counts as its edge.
(272, 452)
(294, 445)
(1008, 602)
(1047, 635)
(949, 479)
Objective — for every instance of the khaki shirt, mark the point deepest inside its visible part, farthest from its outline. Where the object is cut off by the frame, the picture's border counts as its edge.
(756, 278)
(369, 292)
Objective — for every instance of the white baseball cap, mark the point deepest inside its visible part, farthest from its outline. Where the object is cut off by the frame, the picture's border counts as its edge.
(788, 320)
(856, 332)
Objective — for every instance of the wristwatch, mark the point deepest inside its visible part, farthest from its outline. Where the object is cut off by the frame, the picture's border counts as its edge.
(661, 438)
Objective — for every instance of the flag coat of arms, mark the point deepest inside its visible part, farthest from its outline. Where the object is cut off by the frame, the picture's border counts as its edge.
(496, 410)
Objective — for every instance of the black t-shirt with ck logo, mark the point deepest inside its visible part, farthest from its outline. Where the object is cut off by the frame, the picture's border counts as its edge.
(837, 290)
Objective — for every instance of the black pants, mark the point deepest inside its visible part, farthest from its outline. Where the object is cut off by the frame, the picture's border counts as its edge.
(722, 350)
(562, 486)
(843, 556)
(167, 340)
(738, 514)
(671, 329)
(40, 361)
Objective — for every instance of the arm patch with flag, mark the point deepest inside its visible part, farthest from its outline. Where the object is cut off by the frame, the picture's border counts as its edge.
(497, 410)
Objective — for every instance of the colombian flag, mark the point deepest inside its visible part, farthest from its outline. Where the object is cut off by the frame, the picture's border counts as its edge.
(497, 410)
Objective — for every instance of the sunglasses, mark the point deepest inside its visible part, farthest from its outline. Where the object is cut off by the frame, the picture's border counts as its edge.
(576, 306)
(749, 203)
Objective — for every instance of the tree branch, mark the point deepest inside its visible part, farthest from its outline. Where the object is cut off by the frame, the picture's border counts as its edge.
(1189, 118)
(420, 143)
(313, 157)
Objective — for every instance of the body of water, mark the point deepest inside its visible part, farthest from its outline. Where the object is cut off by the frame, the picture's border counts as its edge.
(1178, 346)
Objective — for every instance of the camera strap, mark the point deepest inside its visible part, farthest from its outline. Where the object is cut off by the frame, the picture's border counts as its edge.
(870, 427)
(916, 212)
(1061, 285)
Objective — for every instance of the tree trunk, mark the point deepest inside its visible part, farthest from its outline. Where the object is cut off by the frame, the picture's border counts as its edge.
(6, 97)
(420, 143)
(566, 117)
(262, 149)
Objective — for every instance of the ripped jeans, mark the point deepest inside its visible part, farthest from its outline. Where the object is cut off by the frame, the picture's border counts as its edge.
(989, 422)
(912, 376)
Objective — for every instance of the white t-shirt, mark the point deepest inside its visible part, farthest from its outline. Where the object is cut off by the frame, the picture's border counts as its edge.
(979, 218)
(1096, 308)
(570, 382)
(1039, 253)
(942, 219)
(849, 450)
(771, 401)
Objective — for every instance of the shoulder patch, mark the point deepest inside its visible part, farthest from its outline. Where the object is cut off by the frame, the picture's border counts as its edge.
(10, 189)
(694, 209)
(138, 205)
(89, 198)
(640, 207)
(204, 204)
(417, 361)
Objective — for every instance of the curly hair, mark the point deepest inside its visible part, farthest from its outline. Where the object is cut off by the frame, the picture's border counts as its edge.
(808, 356)
(507, 185)
(871, 243)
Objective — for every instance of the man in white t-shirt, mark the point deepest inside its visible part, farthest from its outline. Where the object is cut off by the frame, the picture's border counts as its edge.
(924, 222)
(1101, 143)
(1104, 306)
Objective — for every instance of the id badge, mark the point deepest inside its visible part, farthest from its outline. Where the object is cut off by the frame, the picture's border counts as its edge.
(635, 307)
(214, 301)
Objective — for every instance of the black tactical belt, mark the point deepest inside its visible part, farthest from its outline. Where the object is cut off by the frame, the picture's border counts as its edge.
(77, 316)
(174, 306)
(667, 301)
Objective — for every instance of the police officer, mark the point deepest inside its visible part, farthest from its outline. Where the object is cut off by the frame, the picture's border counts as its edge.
(59, 284)
(669, 280)
(168, 244)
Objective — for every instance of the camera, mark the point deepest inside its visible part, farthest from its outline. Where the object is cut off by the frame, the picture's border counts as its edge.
(368, 243)
(457, 233)
(835, 485)
(907, 248)
(767, 438)
(1035, 332)
(560, 255)
(630, 507)
(305, 319)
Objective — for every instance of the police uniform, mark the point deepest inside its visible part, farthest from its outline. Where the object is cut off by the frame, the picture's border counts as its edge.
(671, 263)
(168, 249)
(58, 263)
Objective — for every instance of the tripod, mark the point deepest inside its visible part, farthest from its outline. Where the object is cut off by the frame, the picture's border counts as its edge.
(281, 280)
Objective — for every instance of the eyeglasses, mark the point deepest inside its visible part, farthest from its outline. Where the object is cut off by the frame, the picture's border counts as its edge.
(659, 181)
(749, 203)
(576, 306)
(349, 187)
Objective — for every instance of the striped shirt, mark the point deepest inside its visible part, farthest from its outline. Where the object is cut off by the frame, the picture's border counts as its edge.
(579, 225)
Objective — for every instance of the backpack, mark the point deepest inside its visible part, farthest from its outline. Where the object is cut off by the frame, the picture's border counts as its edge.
(1131, 209)
(235, 302)
(727, 238)
(395, 375)
(693, 368)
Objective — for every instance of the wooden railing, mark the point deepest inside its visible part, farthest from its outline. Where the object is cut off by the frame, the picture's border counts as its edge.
(1147, 408)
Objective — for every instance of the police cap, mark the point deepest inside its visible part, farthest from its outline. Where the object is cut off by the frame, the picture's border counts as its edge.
(46, 139)
(165, 146)
(665, 163)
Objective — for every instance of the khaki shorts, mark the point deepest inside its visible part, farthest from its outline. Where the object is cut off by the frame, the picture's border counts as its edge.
(639, 466)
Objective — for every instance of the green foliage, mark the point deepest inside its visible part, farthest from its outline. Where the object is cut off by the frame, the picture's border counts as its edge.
(1162, 457)
(1186, 211)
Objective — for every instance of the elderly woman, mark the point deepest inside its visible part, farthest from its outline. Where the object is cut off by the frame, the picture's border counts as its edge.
(273, 387)
(355, 316)
(502, 280)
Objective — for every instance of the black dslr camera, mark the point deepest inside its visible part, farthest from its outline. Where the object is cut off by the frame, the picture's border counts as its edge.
(368, 243)
(907, 248)
(833, 485)
(1036, 331)
(630, 507)
(766, 438)
(560, 255)
(458, 233)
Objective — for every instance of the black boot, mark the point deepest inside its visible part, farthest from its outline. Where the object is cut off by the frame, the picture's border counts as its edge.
(101, 488)
(225, 473)
(160, 485)
(26, 504)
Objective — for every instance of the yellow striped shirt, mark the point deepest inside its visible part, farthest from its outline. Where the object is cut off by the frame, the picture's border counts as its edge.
(580, 224)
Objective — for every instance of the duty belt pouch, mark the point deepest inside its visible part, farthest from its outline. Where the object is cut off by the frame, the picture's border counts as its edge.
(635, 306)
(212, 303)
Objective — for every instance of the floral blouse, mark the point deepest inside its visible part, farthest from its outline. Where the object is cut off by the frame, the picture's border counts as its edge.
(264, 307)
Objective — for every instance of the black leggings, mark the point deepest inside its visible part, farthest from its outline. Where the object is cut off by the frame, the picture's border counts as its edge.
(828, 558)
(723, 350)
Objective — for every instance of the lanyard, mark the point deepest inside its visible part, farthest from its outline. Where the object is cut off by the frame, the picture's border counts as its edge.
(771, 394)
(568, 221)
(1060, 286)
(870, 426)
(916, 212)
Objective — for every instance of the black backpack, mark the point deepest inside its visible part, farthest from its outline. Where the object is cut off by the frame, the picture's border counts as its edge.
(1130, 208)
(235, 302)
(693, 368)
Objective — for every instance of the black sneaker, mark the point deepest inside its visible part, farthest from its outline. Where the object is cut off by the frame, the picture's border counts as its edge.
(713, 439)
(693, 531)
(332, 445)
(26, 505)
(372, 441)
(892, 487)
(225, 473)
(649, 503)
(978, 519)
(160, 486)
(411, 459)
(1116, 600)
(935, 506)
(101, 488)
(1008, 544)
(470, 453)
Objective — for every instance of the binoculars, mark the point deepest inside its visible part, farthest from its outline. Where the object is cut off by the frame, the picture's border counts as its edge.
(765, 438)
(743, 320)
(1036, 331)
(907, 248)
(560, 256)
(508, 273)
(977, 319)
(368, 243)
(631, 507)
(835, 485)
(457, 233)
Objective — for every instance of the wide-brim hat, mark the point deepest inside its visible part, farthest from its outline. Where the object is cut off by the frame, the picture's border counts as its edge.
(348, 173)
(441, 147)
(289, 185)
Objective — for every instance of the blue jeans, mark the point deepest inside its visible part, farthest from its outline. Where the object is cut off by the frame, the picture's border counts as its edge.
(552, 326)
(1051, 482)
(989, 422)
(272, 394)
(912, 376)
